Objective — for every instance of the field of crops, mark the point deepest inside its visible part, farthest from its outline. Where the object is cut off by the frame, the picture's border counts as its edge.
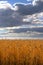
(21, 52)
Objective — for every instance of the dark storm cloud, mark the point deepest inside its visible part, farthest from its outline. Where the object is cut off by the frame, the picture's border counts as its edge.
(14, 17)
(30, 9)
(38, 30)
(9, 18)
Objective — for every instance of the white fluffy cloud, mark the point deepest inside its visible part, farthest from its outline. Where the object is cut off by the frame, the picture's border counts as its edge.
(5, 5)
(15, 8)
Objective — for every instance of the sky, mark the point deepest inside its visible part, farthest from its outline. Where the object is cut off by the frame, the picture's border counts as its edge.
(14, 1)
(21, 13)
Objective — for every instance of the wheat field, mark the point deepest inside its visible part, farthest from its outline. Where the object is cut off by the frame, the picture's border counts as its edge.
(21, 52)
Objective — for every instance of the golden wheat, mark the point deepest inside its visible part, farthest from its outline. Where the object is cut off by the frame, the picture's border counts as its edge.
(21, 52)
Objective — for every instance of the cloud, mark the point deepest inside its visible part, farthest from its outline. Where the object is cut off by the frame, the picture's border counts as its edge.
(9, 15)
(21, 17)
(29, 9)
(5, 5)
(24, 9)
(37, 2)
(20, 14)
